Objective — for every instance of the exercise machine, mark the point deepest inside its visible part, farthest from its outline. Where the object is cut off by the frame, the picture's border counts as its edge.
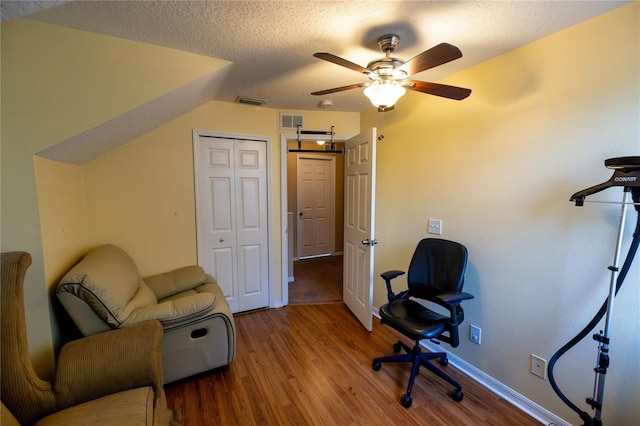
(626, 175)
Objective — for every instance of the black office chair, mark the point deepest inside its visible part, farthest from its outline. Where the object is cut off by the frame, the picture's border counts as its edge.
(436, 274)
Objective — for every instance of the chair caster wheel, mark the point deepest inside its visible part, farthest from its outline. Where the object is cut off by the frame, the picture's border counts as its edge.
(444, 361)
(457, 395)
(376, 365)
(397, 347)
(406, 401)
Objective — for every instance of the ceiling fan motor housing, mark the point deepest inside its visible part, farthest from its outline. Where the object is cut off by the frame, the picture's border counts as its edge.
(388, 42)
(386, 68)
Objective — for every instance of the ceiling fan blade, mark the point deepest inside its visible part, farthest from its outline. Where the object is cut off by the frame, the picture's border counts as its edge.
(443, 90)
(342, 62)
(437, 55)
(339, 89)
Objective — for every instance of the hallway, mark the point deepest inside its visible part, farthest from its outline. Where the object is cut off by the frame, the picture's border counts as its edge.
(317, 280)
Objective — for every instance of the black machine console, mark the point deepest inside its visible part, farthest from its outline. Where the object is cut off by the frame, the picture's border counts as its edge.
(626, 173)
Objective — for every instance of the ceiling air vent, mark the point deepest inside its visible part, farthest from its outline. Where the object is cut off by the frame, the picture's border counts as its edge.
(291, 121)
(250, 101)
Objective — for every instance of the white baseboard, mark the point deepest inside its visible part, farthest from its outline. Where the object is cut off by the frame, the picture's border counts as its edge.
(531, 408)
(291, 279)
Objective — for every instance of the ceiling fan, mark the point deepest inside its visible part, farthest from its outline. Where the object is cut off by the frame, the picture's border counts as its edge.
(389, 76)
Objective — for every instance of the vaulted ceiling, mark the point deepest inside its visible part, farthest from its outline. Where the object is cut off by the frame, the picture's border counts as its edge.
(270, 44)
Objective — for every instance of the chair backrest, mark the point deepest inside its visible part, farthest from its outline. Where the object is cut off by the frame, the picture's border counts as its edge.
(23, 392)
(437, 267)
(107, 279)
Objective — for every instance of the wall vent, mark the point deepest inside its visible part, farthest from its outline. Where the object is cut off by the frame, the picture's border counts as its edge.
(291, 121)
(250, 101)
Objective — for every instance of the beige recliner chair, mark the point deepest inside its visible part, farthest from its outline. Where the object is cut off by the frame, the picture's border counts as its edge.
(104, 291)
(113, 378)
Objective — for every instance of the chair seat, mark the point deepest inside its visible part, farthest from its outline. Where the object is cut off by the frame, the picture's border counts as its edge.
(413, 319)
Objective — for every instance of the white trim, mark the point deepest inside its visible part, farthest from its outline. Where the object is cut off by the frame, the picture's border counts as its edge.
(284, 220)
(243, 136)
(503, 391)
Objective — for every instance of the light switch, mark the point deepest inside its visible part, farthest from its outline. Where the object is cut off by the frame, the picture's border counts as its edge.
(435, 226)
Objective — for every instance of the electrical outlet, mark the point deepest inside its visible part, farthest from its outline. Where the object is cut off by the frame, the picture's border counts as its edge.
(435, 226)
(538, 366)
(475, 334)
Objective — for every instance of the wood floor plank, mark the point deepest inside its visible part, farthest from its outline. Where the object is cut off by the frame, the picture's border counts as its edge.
(311, 364)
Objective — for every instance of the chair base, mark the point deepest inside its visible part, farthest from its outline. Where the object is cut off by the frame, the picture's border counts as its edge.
(418, 358)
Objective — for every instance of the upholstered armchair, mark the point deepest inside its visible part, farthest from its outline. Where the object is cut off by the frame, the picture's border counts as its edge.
(104, 291)
(113, 378)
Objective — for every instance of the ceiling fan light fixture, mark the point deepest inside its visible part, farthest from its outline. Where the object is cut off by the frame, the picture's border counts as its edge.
(384, 95)
(388, 75)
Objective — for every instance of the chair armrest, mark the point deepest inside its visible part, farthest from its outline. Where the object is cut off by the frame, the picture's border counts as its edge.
(108, 363)
(454, 298)
(388, 276)
(176, 281)
(452, 301)
(173, 311)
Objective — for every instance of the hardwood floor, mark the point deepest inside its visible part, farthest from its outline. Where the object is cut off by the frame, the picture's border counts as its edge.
(311, 365)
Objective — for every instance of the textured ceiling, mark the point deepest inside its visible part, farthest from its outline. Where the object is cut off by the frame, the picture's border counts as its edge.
(271, 44)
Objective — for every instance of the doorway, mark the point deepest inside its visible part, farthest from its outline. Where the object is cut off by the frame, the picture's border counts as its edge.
(315, 200)
(358, 186)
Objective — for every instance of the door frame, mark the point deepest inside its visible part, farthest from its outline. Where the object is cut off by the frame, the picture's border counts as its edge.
(284, 150)
(332, 166)
(196, 160)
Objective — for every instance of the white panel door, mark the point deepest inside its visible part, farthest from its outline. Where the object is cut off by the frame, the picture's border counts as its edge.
(316, 205)
(251, 224)
(359, 194)
(232, 219)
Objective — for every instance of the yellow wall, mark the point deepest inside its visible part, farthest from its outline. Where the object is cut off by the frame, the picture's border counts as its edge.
(63, 218)
(63, 226)
(140, 196)
(58, 82)
(498, 168)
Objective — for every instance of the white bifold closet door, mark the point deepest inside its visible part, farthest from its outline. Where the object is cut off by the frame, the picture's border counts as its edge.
(232, 218)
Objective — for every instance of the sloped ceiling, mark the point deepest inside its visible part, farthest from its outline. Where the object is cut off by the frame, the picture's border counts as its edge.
(270, 43)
